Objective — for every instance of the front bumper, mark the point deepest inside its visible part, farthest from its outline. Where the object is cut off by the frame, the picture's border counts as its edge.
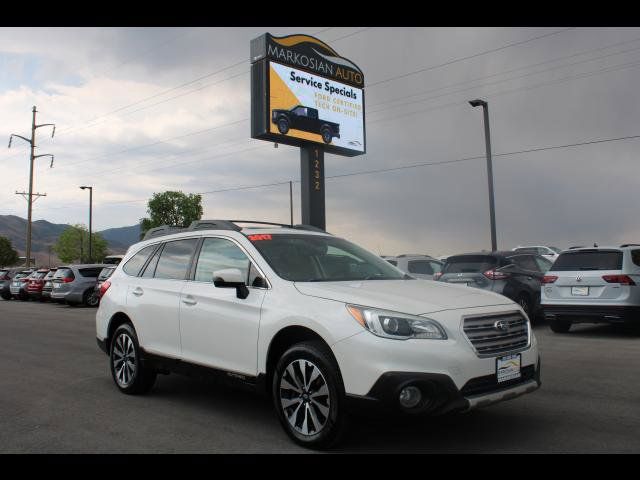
(592, 313)
(440, 395)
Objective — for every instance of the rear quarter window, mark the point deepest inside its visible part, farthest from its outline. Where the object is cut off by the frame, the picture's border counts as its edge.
(135, 263)
(90, 272)
(635, 257)
(588, 260)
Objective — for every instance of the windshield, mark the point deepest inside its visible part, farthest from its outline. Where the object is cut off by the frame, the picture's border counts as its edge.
(311, 258)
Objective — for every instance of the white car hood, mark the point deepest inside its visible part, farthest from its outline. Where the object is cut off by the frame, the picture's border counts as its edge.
(415, 297)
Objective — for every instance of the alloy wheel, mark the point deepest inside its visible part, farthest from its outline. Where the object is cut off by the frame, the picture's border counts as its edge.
(304, 397)
(124, 360)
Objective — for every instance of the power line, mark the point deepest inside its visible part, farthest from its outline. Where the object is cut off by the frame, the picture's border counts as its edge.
(468, 57)
(524, 88)
(403, 167)
(506, 72)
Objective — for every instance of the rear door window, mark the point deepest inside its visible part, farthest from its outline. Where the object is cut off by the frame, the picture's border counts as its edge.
(175, 259)
(135, 263)
(469, 264)
(589, 260)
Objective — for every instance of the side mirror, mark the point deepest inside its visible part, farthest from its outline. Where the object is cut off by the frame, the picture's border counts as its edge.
(231, 278)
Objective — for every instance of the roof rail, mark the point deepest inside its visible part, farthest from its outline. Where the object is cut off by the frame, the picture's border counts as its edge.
(161, 230)
(630, 245)
(220, 225)
(213, 225)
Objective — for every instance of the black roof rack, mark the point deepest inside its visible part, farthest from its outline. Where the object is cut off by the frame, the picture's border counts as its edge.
(630, 245)
(221, 225)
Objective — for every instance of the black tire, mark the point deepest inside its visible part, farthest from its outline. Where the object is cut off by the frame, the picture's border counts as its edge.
(6, 296)
(90, 298)
(141, 378)
(525, 302)
(311, 354)
(23, 297)
(283, 125)
(559, 325)
(326, 135)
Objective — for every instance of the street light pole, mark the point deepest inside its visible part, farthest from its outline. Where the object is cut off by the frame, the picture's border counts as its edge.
(487, 140)
(90, 220)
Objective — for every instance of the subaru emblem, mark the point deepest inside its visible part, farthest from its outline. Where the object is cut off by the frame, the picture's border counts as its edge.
(501, 326)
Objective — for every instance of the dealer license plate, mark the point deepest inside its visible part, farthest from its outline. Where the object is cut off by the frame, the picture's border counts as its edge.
(582, 291)
(508, 368)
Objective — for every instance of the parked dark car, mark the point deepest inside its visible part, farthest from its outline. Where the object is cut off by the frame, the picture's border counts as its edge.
(18, 285)
(305, 118)
(6, 275)
(36, 283)
(104, 275)
(516, 276)
(48, 284)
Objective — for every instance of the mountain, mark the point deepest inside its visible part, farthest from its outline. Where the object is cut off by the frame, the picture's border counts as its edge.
(123, 236)
(44, 234)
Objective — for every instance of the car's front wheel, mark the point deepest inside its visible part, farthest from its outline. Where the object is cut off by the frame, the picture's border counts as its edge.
(308, 395)
(129, 374)
(559, 325)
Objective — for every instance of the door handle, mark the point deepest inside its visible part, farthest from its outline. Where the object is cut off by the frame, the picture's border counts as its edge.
(137, 291)
(189, 300)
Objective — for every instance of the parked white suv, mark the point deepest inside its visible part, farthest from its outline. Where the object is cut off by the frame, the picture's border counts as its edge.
(550, 253)
(416, 265)
(320, 324)
(592, 285)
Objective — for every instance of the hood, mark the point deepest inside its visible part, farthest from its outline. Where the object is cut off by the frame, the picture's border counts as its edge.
(415, 297)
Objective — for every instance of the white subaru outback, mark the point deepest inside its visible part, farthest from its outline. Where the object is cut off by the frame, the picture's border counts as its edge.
(320, 324)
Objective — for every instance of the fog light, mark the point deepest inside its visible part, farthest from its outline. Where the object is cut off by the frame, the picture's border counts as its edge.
(410, 397)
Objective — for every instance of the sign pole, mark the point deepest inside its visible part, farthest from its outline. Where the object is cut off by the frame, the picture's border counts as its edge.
(312, 185)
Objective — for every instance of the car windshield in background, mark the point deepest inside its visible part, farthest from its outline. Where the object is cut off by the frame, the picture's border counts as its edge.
(307, 258)
(555, 249)
(469, 264)
(588, 260)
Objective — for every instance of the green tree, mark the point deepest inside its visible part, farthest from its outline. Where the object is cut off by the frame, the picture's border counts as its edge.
(8, 255)
(73, 244)
(176, 209)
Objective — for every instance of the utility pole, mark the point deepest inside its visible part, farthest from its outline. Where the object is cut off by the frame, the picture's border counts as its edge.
(291, 200)
(32, 142)
(90, 218)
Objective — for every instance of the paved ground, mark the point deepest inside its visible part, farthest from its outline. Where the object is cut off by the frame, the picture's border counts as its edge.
(57, 396)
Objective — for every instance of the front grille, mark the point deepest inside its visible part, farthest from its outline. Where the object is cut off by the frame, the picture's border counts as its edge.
(489, 340)
(489, 383)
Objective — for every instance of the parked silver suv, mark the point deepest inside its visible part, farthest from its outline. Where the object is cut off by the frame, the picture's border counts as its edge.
(74, 284)
(592, 285)
(416, 265)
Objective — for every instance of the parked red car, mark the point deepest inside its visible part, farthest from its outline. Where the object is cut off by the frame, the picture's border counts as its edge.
(35, 283)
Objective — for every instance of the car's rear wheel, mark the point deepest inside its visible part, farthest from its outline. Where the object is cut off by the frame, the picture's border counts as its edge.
(308, 395)
(6, 296)
(283, 126)
(90, 298)
(128, 372)
(559, 325)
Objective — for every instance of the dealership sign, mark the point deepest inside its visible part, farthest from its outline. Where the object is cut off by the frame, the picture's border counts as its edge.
(303, 92)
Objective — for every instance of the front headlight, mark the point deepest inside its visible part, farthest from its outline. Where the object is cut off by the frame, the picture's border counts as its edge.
(399, 326)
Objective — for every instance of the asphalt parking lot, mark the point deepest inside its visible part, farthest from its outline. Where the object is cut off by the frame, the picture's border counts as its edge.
(57, 396)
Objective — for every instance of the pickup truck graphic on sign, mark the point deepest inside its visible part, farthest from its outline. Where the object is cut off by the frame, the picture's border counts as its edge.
(306, 119)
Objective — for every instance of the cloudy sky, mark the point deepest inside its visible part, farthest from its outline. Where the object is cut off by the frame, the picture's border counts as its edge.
(143, 110)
